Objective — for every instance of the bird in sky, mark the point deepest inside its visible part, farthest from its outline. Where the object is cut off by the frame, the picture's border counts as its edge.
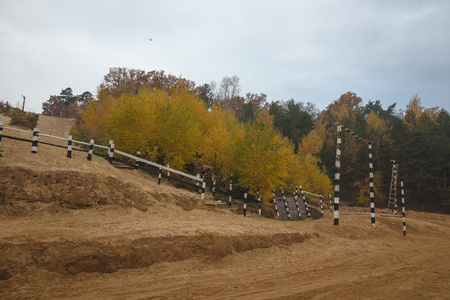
(150, 39)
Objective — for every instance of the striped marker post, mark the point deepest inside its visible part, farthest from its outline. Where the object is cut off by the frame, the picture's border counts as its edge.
(245, 204)
(321, 205)
(69, 146)
(304, 201)
(331, 205)
(285, 204)
(138, 155)
(109, 146)
(372, 192)
(275, 202)
(395, 201)
(337, 176)
(111, 153)
(214, 188)
(1, 132)
(91, 150)
(231, 189)
(403, 209)
(168, 172)
(296, 202)
(203, 190)
(259, 203)
(34, 142)
(160, 175)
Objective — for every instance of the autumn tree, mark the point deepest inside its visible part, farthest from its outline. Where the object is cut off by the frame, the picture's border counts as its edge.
(261, 158)
(66, 104)
(293, 120)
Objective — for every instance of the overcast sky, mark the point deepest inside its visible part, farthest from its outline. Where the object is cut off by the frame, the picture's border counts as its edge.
(311, 51)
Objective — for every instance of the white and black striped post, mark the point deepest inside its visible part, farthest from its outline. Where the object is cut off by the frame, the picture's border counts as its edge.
(1, 132)
(259, 203)
(245, 204)
(109, 146)
(285, 204)
(203, 190)
(34, 142)
(138, 155)
(275, 202)
(69, 146)
(160, 175)
(168, 172)
(214, 188)
(296, 202)
(372, 192)
(321, 205)
(91, 150)
(337, 176)
(403, 208)
(306, 203)
(395, 176)
(111, 153)
(229, 195)
(331, 205)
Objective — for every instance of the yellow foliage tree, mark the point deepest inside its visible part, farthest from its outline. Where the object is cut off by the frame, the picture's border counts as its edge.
(363, 198)
(221, 132)
(261, 159)
(165, 128)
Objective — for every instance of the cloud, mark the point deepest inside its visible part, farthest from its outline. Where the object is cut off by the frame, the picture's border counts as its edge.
(306, 50)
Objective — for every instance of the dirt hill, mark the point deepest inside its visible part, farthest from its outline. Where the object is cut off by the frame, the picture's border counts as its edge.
(78, 229)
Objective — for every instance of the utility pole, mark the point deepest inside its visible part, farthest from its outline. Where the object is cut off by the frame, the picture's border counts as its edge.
(23, 105)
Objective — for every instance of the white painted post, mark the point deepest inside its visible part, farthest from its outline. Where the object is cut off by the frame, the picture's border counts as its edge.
(35, 139)
(69, 146)
(91, 150)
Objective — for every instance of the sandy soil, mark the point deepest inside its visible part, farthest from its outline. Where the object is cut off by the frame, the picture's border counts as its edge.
(85, 230)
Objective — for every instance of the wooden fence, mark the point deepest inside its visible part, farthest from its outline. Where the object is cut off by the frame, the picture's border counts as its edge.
(140, 163)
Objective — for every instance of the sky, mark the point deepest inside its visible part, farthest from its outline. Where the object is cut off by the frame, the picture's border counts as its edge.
(309, 51)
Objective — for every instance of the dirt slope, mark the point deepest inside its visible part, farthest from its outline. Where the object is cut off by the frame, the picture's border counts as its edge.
(85, 230)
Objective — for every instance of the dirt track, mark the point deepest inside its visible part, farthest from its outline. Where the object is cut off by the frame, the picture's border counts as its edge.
(133, 239)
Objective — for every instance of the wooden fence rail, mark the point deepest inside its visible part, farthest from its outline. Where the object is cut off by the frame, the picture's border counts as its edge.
(111, 151)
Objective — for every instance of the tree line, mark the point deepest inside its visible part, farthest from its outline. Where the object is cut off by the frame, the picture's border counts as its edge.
(264, 145)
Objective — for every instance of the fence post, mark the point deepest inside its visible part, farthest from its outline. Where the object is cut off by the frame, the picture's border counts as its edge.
(304, 201)
(331, 205)
(337, 176)
(197, 183)
(296, 202)
(138, 155)
(285, 204)
(321, 205)
(229, 195)
(34, 142)
(214, 188)
(109, 146)
(1, 132)
(69, 146)
(168, 173)
(91, 150)
(403, 209)
(372, 192)
(160, 174)
(275, 202)
(259, 203)
(111, 153)
(203, 190)
(245, 204)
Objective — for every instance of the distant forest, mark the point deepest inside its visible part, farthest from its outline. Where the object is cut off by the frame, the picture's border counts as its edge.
(264, 144)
